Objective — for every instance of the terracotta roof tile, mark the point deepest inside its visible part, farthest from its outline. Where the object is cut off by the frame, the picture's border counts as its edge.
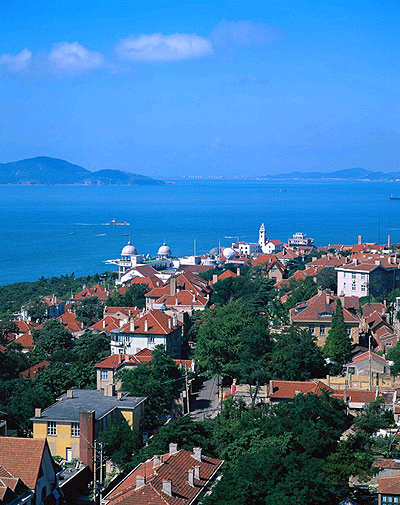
(289, 389)
(389, 485)
(31, 372)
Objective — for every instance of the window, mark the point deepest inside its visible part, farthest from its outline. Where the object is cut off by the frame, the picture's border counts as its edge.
(75, 431)
(322, 329)
(386, 499)
(353, 286)
(363, 277)
(104, 375)
(353, 276)
(312, 329)
(51, 428)
(363, 287)
(348, 330)
(150, 340)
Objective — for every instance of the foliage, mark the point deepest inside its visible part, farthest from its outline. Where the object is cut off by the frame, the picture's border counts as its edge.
(327, 279)
(121, 442)
(134, 297)
(37, 311)
(302, 291)
(92, 347)
(296, 356)
(338, 343)
(7, 326)
(374, 417)
(52, 338)
(219, 340)
(394, 355)
(14, 296)
(90, 311)
(160, 380)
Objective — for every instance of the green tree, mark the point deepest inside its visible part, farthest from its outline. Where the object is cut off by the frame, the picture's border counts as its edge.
(327, 279)
(51, 339)
(338, 343)
(121, 443)
(90, 311)
(134, 297)
(92, 347)
(296, 356)
(160, 380)
(219, 340)
(394, 355)
(301, 291)
(37, 311)
(374, 417)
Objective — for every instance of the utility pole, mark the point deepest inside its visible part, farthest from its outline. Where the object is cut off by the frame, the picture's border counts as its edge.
(370, 362)
(187, 391)
(94, 470)
(101, 471)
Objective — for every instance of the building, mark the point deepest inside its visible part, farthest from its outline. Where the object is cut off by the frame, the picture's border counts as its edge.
(300, 239)
(246, 248)
(281, 391)
(268, 246)
(108, 367)
(72, 424)
(176, 478)
(28, 474)
(389, 490)
(316, 314)
(150, 329)
(372, 277)
(366, 363)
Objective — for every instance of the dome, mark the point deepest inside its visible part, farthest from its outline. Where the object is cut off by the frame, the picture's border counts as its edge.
(229, 253)
(129, 250)
(214, 251)
(164, 250)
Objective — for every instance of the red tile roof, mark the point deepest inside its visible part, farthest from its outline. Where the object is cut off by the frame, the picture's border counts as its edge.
(326, 261)
(31, 372)
(174, 468)
(289, 389)
(22, 457)
(389, 485)
(320, 308)
(158, 323)
(183, 298)
(108, 323)
(26, 340)
(100, 291)
(356, 395)
(369, 308)
(69, 320)
(364, 356)
(25, 326)
(226, 275)
(126, 311)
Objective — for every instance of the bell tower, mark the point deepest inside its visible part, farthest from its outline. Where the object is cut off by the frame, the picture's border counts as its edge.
(261, 235)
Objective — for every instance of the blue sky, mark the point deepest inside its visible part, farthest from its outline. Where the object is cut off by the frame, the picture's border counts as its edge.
(171, 88)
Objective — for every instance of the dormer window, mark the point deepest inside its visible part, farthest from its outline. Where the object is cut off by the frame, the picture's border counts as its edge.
(324, 314)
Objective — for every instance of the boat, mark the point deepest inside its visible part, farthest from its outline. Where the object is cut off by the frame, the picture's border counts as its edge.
(391, 197)
(113, 222)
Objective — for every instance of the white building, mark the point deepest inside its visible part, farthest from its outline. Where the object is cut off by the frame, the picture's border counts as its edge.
(247, 248)
(268, 246)
(300, 239)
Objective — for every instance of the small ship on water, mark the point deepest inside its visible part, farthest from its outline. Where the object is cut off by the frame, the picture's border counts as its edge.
(114, 222)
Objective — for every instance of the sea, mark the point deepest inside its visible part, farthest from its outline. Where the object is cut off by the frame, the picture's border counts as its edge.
(54, 230)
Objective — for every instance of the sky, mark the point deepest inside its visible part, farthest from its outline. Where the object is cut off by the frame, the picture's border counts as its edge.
(213, 88)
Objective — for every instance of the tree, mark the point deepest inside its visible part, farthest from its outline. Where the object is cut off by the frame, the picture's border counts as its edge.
(338, 343)
(134, 297)
(374, 417)
(160, 380)
(121, 442)
(7, 326)
(51, 339)
(296, 356)
(394, 355)
(92, 347)
(327, 279)
(90, 311)
(37, 311)
(219, 340)
(301, 291)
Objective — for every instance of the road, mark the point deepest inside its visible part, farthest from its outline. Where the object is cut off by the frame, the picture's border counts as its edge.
(205, 403)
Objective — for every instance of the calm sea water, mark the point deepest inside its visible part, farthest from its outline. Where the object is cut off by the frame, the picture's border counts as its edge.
(57, 230)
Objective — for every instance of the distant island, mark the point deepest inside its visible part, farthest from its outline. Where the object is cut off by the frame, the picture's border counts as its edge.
(51, 171)
(349, 174)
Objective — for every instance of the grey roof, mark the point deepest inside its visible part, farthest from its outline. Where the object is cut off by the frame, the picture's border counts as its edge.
(67, 409)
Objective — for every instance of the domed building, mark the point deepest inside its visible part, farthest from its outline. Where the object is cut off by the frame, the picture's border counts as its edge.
(164, 251)
(229, 253)
(128, 250)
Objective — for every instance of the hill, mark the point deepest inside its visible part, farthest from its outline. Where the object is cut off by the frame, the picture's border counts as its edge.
(347, 174)
(46, 170)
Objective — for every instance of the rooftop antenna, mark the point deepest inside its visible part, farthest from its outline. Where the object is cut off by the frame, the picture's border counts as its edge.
(194, 247)
(219, 246)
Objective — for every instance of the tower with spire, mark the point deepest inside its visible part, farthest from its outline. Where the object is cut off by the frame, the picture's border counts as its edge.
(262, 239)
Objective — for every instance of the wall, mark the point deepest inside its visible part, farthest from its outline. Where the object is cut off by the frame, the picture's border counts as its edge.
(58, 443)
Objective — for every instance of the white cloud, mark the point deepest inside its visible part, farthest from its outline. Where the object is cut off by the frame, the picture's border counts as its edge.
(17, 62)
(159, 47)
(72, 57)
(244, 33)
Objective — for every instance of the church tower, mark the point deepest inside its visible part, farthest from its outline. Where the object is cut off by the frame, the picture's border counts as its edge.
(261, 236)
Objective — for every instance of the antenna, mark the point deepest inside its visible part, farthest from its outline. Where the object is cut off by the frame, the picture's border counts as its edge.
(194, 247)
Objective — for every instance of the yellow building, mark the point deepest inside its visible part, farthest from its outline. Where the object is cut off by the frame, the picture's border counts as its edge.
(72, 424)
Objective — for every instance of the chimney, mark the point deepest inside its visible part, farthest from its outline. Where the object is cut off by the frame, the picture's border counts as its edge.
(132, 326)
(119, 358)
(197, 453)
(109, 390)
(119, 396)
(176, 301)
(215, 278)
(388, 242)
(156, 460)
(121, 323)
(175, 320)
(86, 437)
(169, 323)
(197, 472)
(146, 325)
(173, 447)
(377, 262)
(140, 481)
(127, 358)
(104, 323)
(70, 393)
(190, 478)
(172, 286)
(167, 487)
(38, 412)
(194, 298)
(359, 239)
(238, 271)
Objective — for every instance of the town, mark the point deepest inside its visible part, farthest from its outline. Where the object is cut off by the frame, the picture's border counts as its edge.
(263, 372)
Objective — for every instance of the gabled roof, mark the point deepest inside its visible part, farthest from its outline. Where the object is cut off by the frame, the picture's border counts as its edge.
(158, 323)
(152, 281)
(106, 324)
(157, 292)
(364, 357)
(389, 485)
(31, 372)
(25, 326)
(22, 457)
(320, 308)
(356, 395)
(173, 467)
(289, 389)
(369, 308)
(126, 311)
(69, 320)
(26, 340)
(117, 361)
(183, 298)
(327, 261)
(100, 291)
(226, 275)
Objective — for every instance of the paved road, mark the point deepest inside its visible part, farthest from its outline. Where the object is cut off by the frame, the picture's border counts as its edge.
(205, 403)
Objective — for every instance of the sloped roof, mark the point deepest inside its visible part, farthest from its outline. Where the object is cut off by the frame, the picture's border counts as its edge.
(226, 275)
(185, 298)
(365, 356)
(108, 323)
(26, 340)
(173, 467)
(100, 291)
(30, 373)
(22, 457)
(158, 323)
(369, 308)
(320, 308)
(389, 485)
(289, 389)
